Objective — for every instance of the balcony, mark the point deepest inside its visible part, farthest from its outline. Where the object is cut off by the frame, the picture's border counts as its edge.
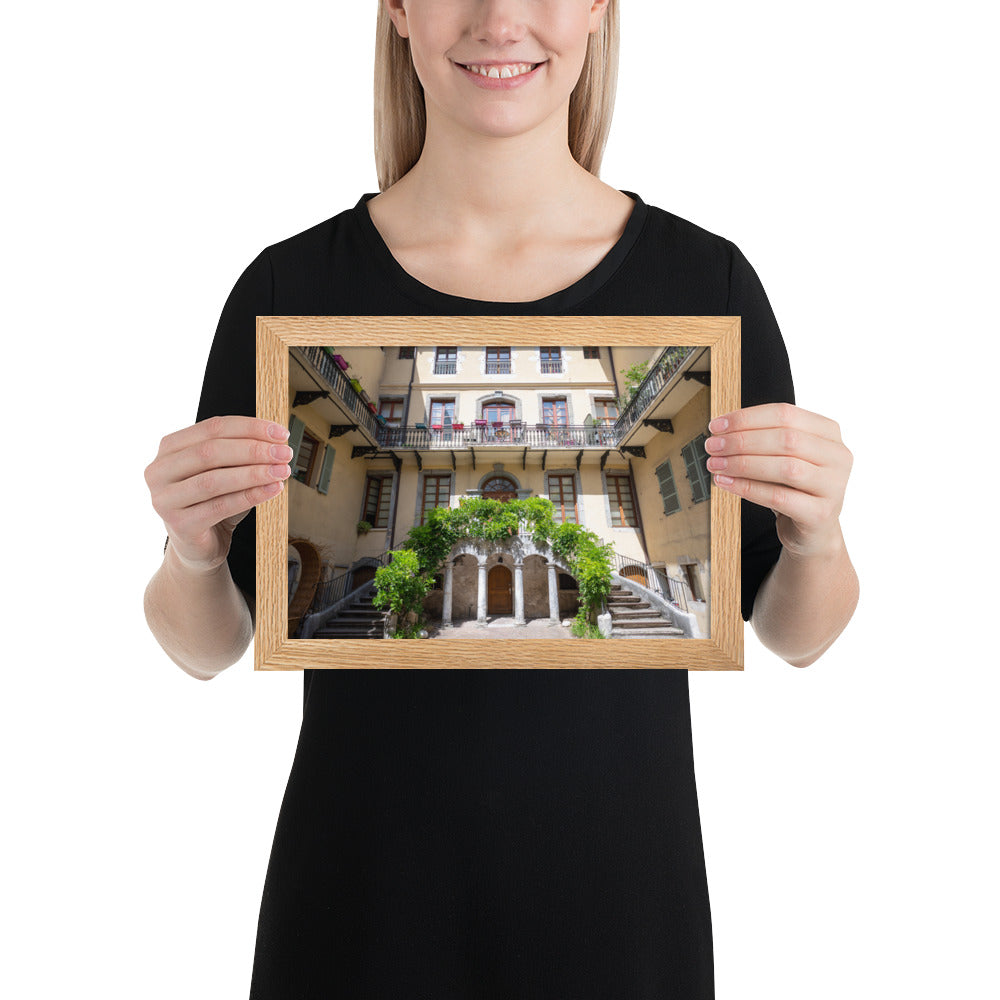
(663, 369)
(552, 367)
(498, 367)
(348, 396)
(500, 435)
(445, 367)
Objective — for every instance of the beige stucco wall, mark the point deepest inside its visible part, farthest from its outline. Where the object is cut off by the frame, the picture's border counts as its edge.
(684, 535)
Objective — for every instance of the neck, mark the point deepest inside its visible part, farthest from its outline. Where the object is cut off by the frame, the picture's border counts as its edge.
(483, 185)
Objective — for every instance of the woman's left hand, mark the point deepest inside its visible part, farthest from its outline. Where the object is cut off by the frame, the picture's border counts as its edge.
(790, 460)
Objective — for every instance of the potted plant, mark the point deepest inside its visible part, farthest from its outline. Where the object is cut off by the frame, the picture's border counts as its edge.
(371, 406)
(341, 362)
(356, 384)
(363, 527)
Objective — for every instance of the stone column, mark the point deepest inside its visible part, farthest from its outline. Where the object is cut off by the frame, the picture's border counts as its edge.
(553, 594)
(446, 604)
(519, 594)
(481, 610)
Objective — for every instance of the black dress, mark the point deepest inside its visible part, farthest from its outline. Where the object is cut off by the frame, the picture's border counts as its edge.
(480, 834)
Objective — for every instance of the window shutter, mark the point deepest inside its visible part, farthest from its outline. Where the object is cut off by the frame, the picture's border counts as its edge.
(695, 457)
(326, 471)
(295, 431)
(668, 489)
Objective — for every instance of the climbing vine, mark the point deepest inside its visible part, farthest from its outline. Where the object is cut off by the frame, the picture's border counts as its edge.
(427, 545)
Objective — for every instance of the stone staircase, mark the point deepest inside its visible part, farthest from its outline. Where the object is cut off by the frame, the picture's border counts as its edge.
(359, 620)
(632, 617)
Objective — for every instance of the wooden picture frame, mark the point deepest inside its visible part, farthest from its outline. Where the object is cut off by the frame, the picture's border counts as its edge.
(274, 650)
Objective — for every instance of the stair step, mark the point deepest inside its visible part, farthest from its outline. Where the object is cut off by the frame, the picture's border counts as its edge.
(637, 623)
(349, 633)
(639, 633)
(627, 614)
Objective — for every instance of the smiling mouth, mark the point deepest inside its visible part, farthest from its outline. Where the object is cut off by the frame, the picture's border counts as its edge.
(502, 72)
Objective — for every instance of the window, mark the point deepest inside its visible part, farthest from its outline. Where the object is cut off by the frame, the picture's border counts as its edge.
(309, 456)
(591, 352)
(555, 412)
(606, 410)
(562, 493)
(551, 358)
(392, 410)
(668, 489)
(305, 458)
(406, 354)
(497, 360)
(495, 413)
(695, 457)
(378, 490)
(437, 493)
(441, 408)
(446, 361)
(620, 500)
(499, 488)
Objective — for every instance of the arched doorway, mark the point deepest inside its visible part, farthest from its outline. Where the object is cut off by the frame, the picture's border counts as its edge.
(499, 488)
(499, 593)
(362, 575)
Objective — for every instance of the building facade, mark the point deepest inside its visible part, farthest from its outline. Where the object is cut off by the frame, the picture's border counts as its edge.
(612, 436)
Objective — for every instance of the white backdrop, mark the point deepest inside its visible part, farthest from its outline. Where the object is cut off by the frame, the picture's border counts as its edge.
(152, 152)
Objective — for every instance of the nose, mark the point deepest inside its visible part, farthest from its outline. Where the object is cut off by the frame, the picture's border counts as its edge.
(499, 21)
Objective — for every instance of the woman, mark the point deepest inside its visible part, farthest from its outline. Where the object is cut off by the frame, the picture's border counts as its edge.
(494, 833)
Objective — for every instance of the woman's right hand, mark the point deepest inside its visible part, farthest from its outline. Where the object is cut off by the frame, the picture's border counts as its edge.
(206, 478)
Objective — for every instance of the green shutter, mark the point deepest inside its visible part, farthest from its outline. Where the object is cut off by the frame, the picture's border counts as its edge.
(325, 472)
(295, 431)
(668, 489)
(695, 458)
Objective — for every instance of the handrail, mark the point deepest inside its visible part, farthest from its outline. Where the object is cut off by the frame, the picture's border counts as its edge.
(507, 434)
(335, 589)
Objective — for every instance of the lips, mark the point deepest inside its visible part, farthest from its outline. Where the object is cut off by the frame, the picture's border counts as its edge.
(500, 76)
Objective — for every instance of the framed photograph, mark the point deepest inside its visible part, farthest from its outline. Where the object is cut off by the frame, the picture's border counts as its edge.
(498, 492)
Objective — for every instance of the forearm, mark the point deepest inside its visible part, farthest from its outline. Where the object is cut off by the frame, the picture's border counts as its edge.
(201, 620)
(806, 602)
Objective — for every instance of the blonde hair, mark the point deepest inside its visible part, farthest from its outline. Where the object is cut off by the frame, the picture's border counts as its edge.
(401, 121)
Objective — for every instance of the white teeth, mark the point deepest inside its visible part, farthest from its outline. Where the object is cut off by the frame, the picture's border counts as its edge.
(502, 72)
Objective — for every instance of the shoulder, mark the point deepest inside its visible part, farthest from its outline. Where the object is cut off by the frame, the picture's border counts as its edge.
(681, 236)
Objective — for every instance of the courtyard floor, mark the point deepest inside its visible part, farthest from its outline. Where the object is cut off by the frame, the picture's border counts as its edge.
(500, 627)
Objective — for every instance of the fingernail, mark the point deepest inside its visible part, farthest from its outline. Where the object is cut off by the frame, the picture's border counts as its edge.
(715, 464)
(724, 480)
(281, 452)
(278, 432)
(715, 444)
(718, 425)
(280, 471)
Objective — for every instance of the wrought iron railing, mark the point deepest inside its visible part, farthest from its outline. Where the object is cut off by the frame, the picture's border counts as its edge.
(552, 367)
(445, 367)
(501, 434)
(660, 372)
(341, 384)
(328, 592)
(498, 367)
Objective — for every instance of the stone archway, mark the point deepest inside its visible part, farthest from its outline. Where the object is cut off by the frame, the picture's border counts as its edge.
(516, 549)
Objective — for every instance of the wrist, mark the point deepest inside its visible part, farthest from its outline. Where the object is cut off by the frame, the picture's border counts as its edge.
(183, 569)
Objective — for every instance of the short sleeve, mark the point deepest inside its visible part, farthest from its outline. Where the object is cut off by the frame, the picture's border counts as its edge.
(229, 387)
(766, 378)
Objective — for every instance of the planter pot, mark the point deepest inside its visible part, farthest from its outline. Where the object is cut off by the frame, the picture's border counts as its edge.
(341, 362)
(371, 406)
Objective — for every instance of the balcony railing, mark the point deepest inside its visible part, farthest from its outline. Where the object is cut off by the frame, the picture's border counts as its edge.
(498, 367)
(341, 384)
(661, 371)
(445, 367)
(552, 367)
(502, 435)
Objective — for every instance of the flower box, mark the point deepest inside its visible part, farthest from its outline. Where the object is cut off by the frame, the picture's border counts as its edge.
(481, 423)
(340, 361)
(458, 427)
(436, 427)
(372, 407)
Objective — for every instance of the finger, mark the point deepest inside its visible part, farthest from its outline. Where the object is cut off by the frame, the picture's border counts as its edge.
(214, 453)
(776, 469)
(776, 415)
(223, 427)
(192, 522)
(802, 508)
(216, 483)
(786, 441)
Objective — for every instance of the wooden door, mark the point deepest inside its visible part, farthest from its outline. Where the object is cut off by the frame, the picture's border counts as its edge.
(499, 594)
